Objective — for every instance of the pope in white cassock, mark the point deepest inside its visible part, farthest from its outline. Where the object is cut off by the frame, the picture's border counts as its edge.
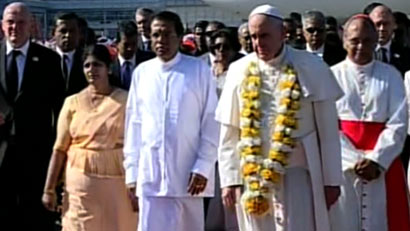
(373, 124)
(171, 133)
(279, 136)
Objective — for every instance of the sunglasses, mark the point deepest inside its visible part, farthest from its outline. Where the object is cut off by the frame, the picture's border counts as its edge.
(312, 30)
(221, 47)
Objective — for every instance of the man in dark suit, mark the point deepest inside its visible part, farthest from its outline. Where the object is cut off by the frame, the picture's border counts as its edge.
(314, 30)
(129, 56)
(388, 51)
(31, 95)
(67, 37)
(143, 18)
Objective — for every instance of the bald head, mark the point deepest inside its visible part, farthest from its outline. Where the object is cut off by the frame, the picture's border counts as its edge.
(359, 39)
(16, 24)
(267, 35)
(383, 19)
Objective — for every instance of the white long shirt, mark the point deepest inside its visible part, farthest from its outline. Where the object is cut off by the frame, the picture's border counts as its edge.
(373, 93)
(170, 127)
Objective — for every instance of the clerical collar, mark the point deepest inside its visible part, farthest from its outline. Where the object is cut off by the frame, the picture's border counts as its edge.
(278, 59)
(23, 49)
(69, 54)
(317, 51)
(170, 63)
(366, 68)
(122, 60)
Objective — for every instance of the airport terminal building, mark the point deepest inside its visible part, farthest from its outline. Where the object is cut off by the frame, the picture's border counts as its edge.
(103, 15)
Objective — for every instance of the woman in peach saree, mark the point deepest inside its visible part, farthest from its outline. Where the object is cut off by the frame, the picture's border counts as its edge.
(89, 147)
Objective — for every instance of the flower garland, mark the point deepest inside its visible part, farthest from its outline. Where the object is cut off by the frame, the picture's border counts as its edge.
(259, 173)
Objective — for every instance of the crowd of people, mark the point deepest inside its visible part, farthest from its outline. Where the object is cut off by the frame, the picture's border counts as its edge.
(283, 123)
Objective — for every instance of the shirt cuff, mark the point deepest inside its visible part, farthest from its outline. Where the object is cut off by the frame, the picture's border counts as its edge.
(130, 175)
(203, 168)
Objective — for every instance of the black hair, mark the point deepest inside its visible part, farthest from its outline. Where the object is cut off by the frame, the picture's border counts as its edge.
(127, 29)
(169, 16)
(229, 35)
(201, 24)
(369, 8)
(98, 51)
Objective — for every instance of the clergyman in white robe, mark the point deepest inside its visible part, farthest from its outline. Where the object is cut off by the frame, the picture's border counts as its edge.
(373, 121)
(171, 132)
(315, 161)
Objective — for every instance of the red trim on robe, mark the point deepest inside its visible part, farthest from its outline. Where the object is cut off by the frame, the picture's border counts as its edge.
(364, 135)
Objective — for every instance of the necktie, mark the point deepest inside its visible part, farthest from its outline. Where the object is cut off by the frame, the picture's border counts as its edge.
(65, 67)
(12, 76)
(382, 55)
(147, 46)
(126, 74)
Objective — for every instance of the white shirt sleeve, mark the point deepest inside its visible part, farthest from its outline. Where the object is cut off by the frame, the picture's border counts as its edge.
(329, 141)
(407, 88)
(391, 141)
(207, 152)
(132, 133)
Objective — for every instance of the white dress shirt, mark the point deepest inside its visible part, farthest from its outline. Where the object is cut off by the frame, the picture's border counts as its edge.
(387, 47)
(21, 59)
(70, 59)
(318, 52)
(122, 61)
(170, 126)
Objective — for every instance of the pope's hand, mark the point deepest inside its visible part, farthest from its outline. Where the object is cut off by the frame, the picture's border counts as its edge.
(196, 184)
(332, 193)
(367, 169)
(230, 195)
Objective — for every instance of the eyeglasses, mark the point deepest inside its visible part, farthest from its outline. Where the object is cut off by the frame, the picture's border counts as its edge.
(209, 33)
(312, 30)
(221, 47)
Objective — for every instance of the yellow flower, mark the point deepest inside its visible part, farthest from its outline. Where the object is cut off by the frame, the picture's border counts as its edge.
(281, 157)
(250, 169)
(256, 150)
(253, 80)
(295, 105)
(290, 113)
(278, 136)
(280, 120)
(249, 132)
(286, 84)
(257, 205)
(286, 101)
(289, 141)
(270, 175)
(250, 95)
(254, 185)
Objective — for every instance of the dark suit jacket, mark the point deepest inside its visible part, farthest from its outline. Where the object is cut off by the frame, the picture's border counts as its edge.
(140, 57)
(76, 81)
(33, 113)
(400, 57)
(333, 54)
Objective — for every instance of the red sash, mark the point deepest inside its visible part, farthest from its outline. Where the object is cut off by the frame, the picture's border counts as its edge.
(364, 135)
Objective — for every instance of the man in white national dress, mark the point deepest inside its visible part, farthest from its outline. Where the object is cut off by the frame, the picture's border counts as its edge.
(279, 136)
(373, 124)
(171, 134)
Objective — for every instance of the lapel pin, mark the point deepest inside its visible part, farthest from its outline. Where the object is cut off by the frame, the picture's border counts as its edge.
(35, 59)
(396, 55)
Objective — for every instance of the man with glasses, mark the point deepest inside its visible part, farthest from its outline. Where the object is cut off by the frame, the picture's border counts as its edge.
(314, 31)
(171, 136)
(212, 27)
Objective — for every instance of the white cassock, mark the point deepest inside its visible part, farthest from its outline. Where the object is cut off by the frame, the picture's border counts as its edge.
(407, 88)
(374, 96)
(315, 162)
(171, 132)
